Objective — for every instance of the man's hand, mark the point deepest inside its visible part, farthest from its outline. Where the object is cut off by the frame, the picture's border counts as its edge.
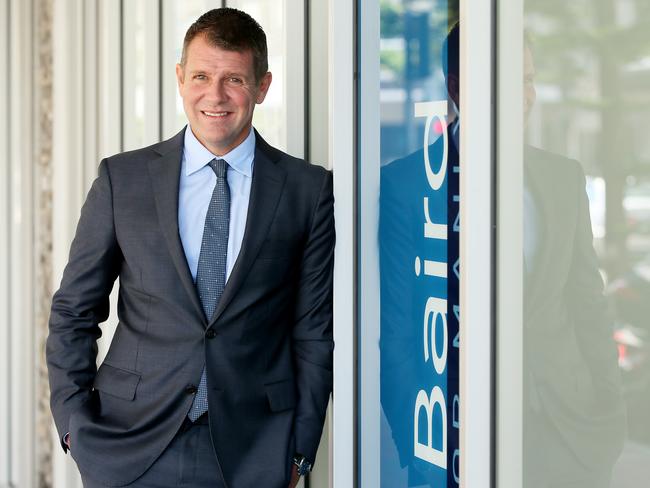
(295, 477)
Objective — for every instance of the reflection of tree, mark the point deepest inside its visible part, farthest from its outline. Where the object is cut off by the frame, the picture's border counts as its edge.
(391, 20)
(395, 23)
(412, 35)
(581, 48)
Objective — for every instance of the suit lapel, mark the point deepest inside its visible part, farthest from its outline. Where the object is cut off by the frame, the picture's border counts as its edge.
(165, 177)
(266, 189)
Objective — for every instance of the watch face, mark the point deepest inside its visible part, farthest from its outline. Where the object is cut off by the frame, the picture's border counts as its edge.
(303, 465)
(304, 468)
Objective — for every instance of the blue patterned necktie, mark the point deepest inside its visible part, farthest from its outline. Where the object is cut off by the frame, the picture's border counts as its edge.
(211, 270)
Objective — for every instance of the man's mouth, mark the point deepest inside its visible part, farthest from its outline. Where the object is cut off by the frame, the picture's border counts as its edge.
(214, 114)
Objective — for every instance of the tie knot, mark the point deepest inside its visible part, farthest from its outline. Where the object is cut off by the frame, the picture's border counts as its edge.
(219, 166)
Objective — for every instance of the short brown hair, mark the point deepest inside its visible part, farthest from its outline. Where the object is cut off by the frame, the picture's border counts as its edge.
(232, 30)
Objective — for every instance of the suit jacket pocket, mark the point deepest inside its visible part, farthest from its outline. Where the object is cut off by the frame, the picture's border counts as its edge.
(281, 395)
(116, 381)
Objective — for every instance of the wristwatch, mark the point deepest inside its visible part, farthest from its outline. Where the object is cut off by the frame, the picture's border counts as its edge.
(304, 466)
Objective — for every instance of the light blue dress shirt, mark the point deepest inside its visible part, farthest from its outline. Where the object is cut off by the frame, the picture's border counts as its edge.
(195, 190)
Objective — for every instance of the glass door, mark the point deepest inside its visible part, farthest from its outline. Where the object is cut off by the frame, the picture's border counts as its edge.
(574, 163)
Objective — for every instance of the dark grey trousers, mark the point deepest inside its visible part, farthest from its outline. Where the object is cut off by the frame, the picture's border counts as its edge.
(188, 461)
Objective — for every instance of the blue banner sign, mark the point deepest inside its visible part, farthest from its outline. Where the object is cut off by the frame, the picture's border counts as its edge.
(419, 262)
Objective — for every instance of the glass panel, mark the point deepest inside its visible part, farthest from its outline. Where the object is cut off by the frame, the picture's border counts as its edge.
(140, 80)
(409, 230)
(586, 244)
(133, 75)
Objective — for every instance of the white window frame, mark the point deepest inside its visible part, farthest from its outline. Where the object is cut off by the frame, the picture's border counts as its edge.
(368, 330)
(477, 270)
(341, 42)
(18, 381)
(510, 143)
(476, 243)
(5, 279)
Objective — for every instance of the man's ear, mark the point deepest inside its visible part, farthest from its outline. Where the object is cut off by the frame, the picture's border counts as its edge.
(180, 76)
(264, 85)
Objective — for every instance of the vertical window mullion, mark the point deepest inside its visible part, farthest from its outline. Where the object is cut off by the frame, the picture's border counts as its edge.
(477, 194)
(509, 271)
(6, 444)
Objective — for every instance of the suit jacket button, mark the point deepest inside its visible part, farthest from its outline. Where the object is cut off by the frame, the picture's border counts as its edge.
(210, 334)
(191, 389)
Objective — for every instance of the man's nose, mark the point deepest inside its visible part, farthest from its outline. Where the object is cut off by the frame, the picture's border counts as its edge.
(219, 91)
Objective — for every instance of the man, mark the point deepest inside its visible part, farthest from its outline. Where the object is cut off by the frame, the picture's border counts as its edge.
(574, 417)
(220, 370)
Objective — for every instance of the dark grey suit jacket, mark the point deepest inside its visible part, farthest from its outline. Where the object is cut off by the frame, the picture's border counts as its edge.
(267, 349)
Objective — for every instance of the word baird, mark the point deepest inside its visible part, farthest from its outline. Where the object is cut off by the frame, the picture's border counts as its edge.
(435, 310)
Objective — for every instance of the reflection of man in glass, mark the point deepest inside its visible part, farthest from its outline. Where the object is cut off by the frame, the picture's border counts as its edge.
(573, 415)
(405, 291)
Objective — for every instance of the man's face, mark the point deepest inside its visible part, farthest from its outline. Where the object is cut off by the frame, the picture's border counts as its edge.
(219, 93)
(530, 95)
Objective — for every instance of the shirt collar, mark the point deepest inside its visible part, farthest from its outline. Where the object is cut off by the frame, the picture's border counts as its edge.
(197, 155)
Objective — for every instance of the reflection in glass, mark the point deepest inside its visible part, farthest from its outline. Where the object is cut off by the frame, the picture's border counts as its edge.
(417, 241)
(586, 244)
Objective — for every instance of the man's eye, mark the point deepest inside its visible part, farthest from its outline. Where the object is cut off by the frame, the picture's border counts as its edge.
(235, 80)
(200, 77)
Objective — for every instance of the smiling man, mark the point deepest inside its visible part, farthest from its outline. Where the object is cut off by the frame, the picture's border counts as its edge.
(220, 370)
